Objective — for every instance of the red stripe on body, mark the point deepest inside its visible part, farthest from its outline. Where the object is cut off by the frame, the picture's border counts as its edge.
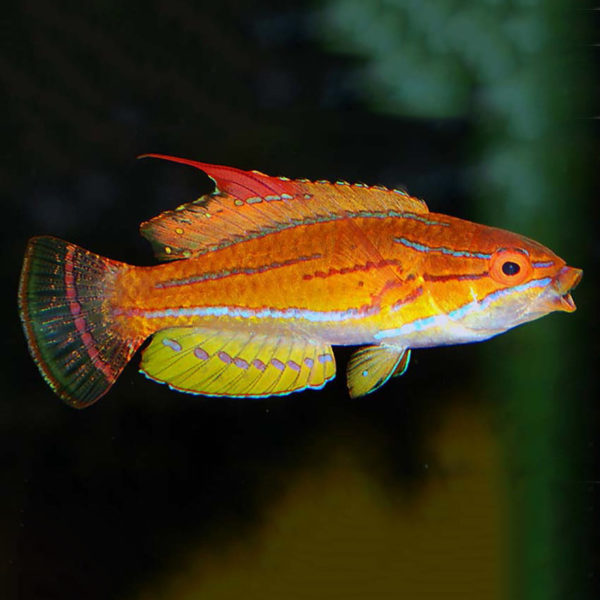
(408, 299)
(354, 269)
(225, 273)
(79, 320)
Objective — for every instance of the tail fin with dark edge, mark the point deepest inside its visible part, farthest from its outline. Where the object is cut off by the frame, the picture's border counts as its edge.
(69, 328)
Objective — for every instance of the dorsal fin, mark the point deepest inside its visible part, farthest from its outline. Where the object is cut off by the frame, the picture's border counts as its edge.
(249, 204)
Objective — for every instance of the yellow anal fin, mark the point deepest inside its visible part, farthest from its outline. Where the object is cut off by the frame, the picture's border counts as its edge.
(217, 363)
(369, 368)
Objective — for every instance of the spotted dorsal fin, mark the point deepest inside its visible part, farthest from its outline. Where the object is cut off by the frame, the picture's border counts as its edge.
(247, 204)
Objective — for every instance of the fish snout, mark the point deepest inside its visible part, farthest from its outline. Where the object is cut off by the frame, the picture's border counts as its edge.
(566, 280)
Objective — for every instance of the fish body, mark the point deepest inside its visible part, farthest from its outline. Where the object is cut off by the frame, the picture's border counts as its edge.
(264, 275)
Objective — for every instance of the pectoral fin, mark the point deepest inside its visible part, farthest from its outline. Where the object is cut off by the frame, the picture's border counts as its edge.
(371, 367)
(214, 363)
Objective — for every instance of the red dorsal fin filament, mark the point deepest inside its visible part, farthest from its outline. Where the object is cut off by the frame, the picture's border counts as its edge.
(238, 183)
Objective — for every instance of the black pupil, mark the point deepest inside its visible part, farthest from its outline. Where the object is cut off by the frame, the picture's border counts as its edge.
(510, 268)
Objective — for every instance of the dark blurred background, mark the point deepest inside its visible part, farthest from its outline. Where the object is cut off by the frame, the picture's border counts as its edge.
(473, 476)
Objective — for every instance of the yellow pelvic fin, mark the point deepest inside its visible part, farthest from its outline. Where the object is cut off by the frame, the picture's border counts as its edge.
(369, 368)
(402, 364)
(217, 363)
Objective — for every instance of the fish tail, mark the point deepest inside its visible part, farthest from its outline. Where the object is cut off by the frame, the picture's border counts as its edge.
(71, 333)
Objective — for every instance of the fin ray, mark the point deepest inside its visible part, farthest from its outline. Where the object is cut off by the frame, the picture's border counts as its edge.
(203, 361)
(370, 367)
(69, 330)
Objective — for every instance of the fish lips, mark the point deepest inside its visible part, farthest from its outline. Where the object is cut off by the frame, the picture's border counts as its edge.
(564, 282)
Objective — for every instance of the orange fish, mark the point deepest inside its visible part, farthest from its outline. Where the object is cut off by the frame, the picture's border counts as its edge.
(265, 274)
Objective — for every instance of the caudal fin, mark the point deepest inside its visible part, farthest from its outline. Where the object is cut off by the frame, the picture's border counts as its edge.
(70, 331)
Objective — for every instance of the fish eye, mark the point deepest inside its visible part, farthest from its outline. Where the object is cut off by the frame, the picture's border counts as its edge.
(510, 266)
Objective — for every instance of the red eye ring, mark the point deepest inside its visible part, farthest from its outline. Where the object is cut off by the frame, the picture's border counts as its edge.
(510, 266)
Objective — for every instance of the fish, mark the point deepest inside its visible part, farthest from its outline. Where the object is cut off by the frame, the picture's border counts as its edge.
(258, 279)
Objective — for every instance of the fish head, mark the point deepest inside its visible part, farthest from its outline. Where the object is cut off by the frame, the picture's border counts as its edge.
(522, 281)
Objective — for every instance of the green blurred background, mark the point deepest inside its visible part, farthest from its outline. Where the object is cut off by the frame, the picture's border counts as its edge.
(473, 476)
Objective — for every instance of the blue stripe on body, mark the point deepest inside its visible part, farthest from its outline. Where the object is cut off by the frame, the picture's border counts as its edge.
(442, 249)
(264, 313)
(416, 217)
(543, 265)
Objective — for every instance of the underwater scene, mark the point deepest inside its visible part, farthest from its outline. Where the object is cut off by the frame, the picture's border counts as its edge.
(247, 365)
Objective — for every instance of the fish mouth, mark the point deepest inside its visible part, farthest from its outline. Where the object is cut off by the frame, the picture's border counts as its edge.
(564, 283)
